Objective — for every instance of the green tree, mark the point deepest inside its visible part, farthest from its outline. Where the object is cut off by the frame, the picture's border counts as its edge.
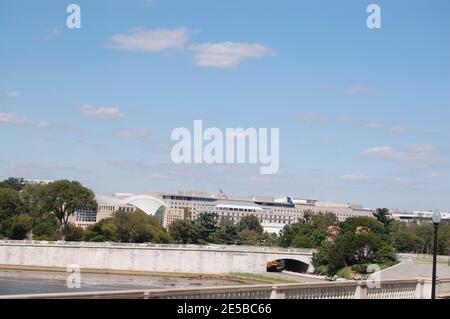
(21, 225)
(383, 216)
(205, 225)
(405, 239)
(64, 197)
(44, 223)
(128, 227)
(227, 234)
(46, 227)
(13, 183)
(321, 220)
(138, 227)
(352, 223)
(10, 205)
(249, 237)
(74, 233)
(182, 232)
(250, 222)
(385, 255)
(104, 230)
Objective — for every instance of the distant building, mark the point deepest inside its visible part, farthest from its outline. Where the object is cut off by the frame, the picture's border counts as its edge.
(37, 181)
(107, 205)
(417, 216)
(273, 214)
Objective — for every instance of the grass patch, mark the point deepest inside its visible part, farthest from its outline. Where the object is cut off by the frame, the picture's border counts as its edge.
(263, 278)
(430, 261)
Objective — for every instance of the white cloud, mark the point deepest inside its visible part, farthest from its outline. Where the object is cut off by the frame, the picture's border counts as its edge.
(311, 118)
(387, 127)
(400, 180)
(356, 178)
(100, 112)
(374, 125)
(435, 174)
(132, 133)
(227, 54)
(420, 154)
(43, 124)
(13, 93)
(15, 119)
(361, 89)
(344, 118)
(150, 40)
(50, 34)
(12, 118)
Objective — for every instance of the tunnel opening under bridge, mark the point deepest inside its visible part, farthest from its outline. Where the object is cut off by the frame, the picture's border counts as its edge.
(286, 264)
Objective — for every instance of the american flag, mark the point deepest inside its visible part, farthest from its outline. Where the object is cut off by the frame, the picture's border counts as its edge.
(223, 194)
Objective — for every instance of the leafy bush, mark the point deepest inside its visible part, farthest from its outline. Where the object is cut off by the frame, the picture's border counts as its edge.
(323, 270)
(345, 272)
(360, 268)
(386, 256)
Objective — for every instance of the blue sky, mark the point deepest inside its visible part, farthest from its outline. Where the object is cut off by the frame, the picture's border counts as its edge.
(363, 113)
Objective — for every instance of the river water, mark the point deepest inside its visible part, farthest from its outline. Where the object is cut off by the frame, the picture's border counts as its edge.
(14, 282)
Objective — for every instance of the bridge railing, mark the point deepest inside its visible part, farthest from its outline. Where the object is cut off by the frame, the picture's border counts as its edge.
(419, 288)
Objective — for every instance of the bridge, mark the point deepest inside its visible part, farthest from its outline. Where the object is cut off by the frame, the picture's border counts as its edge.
(210, 259)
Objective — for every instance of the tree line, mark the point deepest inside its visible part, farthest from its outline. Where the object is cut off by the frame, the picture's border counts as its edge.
(42, 212)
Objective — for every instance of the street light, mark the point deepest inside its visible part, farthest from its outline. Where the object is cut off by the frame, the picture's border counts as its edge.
(436, 220)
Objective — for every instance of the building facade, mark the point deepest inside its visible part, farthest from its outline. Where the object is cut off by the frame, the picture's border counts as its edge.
(273, 213)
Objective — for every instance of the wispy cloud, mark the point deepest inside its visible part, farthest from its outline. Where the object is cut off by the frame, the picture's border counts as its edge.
(419, 154)
(18, 120)
(50, 34)
(356, 178)
(227, 54)
(100, 111)
(12, 93)
(311, 118)
(12, 118)
(132, 133)
(361, 89)
(43, 124)
(387, 127)
(150, 40)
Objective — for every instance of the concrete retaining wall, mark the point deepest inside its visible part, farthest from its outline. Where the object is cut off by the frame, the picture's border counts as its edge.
(157, 258)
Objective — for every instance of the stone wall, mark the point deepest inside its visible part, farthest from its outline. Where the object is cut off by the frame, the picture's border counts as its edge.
(146, 257)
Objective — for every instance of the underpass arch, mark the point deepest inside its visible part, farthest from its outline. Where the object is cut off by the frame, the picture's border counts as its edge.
(288, 264)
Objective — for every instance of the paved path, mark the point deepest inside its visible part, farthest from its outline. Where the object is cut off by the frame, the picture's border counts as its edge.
(411, 269)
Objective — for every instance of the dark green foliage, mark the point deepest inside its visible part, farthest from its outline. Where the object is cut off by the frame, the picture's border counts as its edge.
(182, 232)
(205, 226)
(383, 216)
(353, 252)
(64, 197)
(250, 222)
(13, 183)
(134, 227)
(21, 225)
(74, 233)
(309, 232)
(10, 205)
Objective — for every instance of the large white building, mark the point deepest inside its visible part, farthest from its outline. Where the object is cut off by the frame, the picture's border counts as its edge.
(273, 213)
(417, 216)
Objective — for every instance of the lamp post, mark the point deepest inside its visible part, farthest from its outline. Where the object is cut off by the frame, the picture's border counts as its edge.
(436, 220)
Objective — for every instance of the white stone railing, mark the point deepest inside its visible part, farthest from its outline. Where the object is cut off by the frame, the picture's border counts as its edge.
(394, 289)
